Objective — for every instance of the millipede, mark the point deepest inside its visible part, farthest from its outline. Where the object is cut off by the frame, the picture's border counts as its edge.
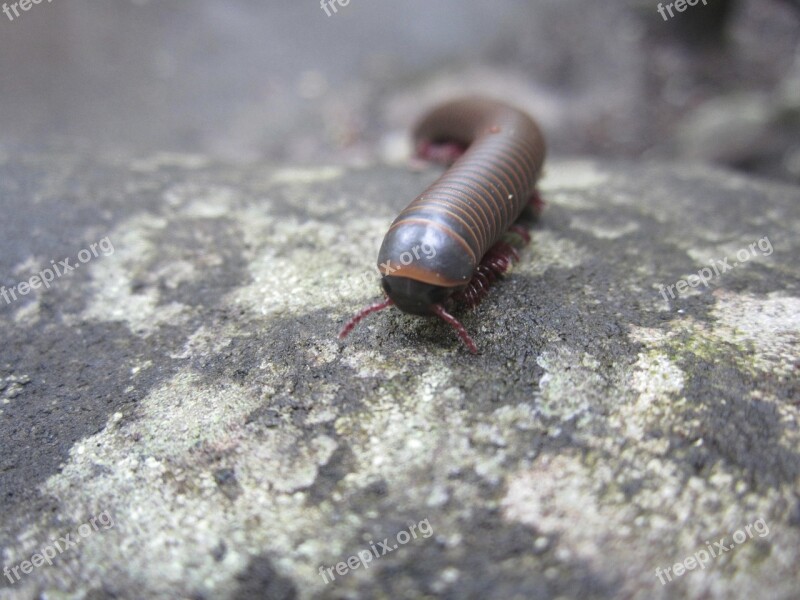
(465, 219)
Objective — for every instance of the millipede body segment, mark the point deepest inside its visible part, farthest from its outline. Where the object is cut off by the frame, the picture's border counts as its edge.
(447, 247)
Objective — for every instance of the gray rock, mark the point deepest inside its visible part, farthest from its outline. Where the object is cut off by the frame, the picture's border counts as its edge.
(191, 420)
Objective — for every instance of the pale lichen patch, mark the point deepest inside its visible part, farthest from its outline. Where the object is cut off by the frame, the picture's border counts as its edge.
(113, 279)
(549, 249)
(166, 501)
(607, 229)
(559, 497)
(304, 265)
(572, 174)
(569, 385)
(169, 159)
(306, 176)
(769, 324)
(656, 381)
(200, 200)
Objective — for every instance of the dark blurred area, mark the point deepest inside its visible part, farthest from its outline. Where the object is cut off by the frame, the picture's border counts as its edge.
(283, 81)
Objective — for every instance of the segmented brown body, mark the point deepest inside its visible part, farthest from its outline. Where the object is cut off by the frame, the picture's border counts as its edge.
(466, 211)
(458, 221)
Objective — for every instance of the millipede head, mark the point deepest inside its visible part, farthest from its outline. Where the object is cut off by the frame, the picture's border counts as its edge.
(412, 296)
(434, 309)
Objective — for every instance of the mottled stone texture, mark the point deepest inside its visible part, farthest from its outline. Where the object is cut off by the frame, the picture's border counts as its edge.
(190, 384)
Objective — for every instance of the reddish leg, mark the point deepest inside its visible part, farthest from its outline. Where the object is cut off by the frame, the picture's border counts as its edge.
(445, 153)
(445, 316)
(521, 232)
(494, 263)
(364, 312)
(536, 203)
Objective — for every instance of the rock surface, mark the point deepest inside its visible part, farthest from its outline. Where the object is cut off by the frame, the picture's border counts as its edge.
(185, 383)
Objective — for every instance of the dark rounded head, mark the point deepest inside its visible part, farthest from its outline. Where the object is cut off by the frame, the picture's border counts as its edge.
(412, 296)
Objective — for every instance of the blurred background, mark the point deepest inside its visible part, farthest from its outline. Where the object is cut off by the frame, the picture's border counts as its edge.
(284, 81)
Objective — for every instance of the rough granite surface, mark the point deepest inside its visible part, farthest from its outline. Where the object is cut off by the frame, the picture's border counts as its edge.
(190, 386)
